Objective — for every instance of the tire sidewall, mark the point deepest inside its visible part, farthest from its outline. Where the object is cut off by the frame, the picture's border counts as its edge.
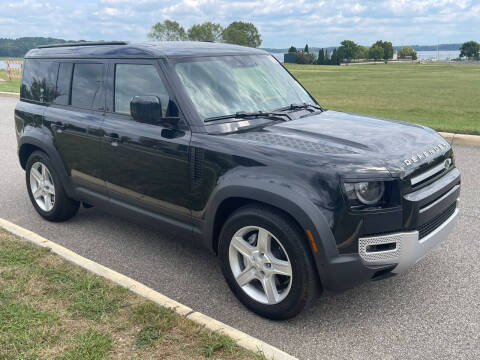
(289, 238)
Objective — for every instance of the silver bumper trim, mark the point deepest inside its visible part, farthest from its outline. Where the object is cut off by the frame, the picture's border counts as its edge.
(408, 248)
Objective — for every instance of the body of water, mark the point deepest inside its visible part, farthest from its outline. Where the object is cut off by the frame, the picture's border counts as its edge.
(3, 65)
(422, 55)
(441, 55)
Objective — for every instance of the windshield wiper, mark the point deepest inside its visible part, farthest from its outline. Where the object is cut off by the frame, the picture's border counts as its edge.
(272, 115)
(301, 106)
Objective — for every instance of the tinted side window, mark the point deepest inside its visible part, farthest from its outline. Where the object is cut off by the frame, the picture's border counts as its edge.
(39, 80)
(136, 80)
(63, 84)
(86, 83)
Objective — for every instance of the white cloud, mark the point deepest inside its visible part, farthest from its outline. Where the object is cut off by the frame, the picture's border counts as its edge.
(281, 22)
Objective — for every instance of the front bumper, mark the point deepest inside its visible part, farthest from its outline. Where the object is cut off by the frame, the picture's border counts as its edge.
(404, 249)
(429, 215)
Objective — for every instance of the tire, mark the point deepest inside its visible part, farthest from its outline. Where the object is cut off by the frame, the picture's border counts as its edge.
(288, 245)
(54, 204)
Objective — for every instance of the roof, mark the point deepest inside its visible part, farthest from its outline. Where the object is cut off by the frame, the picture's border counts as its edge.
(141, 50)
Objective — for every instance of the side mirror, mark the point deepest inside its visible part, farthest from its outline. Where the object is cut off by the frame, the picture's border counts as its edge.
(146, 109)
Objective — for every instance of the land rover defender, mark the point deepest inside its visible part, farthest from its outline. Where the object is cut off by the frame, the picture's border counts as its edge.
(220, 144)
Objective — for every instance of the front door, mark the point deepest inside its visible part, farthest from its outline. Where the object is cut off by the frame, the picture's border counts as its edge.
(147, 165)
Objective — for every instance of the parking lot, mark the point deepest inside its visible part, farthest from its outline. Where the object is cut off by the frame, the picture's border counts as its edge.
(432, 311)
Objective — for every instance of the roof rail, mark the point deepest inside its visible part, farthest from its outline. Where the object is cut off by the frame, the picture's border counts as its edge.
(83, 43)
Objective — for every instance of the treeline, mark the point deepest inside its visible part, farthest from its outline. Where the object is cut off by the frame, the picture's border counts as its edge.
(441, 47)
(349, 51)
(238, 32)
(19, 47)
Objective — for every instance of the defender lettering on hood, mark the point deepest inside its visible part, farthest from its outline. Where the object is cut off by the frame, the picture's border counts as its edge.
(425, 154)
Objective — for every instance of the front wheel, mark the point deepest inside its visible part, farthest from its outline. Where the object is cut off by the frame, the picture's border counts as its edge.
(266, 262)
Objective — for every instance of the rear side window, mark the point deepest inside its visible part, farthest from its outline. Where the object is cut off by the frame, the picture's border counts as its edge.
(137, 80)
(39, 80)
(86, 84)
(63, 84)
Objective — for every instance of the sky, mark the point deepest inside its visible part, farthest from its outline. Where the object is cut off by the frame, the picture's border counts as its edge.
(281, 22)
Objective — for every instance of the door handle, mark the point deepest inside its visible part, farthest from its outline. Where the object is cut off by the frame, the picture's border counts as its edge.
(58, 127)
(113, 139)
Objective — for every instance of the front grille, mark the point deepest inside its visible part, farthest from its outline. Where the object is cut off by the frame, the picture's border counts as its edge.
(431, 225)
(430, 173)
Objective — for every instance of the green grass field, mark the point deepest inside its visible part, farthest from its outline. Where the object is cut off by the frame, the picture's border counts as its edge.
(6, 85)
(444, 97)
(52, 309)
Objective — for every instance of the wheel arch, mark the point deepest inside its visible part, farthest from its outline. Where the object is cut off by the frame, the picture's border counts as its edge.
(28, 144)
(302, 211)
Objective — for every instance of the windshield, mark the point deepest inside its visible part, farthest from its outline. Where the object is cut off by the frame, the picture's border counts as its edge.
(225, 85)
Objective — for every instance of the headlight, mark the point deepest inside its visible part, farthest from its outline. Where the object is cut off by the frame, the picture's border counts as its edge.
(366, 192)
(369, 193)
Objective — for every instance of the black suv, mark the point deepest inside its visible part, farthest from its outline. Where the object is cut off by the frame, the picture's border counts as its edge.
(220, 144)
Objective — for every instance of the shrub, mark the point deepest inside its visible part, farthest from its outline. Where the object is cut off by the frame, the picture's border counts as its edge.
(305, 58)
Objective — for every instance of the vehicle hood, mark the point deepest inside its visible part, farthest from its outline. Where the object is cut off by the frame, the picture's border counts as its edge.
(351, 139)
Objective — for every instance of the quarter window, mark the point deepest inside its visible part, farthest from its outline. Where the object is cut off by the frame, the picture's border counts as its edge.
(137, 80)
(86, 84)
(38, 81)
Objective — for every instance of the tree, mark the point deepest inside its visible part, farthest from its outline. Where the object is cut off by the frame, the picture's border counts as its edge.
(349, 49)
(470, 50)
(167, 31)
(387, 49)
(334, 60)
(376, 52)
(207, 31)
(306, 48)
(406, 51)
(340, 55)
(242, 33)
(321, 57)
(362, 52)
(292, 49)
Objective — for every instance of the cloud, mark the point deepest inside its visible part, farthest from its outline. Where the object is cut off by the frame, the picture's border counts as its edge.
(281, 22)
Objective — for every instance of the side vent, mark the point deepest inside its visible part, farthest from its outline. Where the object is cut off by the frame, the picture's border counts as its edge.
(196, 166)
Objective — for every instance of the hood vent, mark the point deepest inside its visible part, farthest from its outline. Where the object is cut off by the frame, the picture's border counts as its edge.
(293, 143)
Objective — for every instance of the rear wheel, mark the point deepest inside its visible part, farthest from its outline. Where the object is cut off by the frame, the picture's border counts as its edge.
(46, 191)
(266, 263)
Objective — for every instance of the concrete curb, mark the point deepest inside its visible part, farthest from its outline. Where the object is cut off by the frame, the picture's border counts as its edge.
(244, 340)
(11, 94)
(461, 139)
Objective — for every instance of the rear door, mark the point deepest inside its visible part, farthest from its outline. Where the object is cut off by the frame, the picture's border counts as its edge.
(147, 165)
(75, 117)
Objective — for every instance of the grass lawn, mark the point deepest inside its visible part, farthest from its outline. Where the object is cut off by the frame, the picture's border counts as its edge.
(7, 85)
(444, 97)
(51, 309)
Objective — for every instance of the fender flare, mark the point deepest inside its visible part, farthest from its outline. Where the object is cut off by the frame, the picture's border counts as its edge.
(45, 143)
(303, 211)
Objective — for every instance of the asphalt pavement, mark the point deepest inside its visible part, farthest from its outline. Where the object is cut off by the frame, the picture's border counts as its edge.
(432, 311)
